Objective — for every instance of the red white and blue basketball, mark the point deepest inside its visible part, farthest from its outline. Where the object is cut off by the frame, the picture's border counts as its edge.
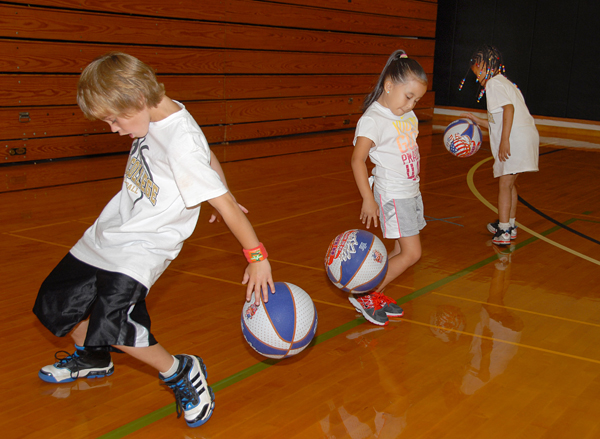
(462, 138)
(283, 326)
(356, 261)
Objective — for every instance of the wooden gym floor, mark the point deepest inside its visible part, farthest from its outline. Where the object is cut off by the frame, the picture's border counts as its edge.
(494, 344)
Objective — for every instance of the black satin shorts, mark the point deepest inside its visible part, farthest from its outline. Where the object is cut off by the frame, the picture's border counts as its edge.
(114, 303)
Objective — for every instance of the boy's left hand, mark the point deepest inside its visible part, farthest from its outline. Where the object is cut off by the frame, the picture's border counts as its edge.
(258, 276)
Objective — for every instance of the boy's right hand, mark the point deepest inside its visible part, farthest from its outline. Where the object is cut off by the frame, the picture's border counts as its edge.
(258, 277)
(368, 212)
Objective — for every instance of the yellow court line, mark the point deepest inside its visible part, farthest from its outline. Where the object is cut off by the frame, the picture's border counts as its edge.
(279, 183)
(580, 215)
(521, 345)
(454, 177)
(42, 226)
(521, 226)
(283, 262)
(333, 304)
(448, 195)
(270, 259)
(518, 309)
(277, 220)
(191, 273)
(37, 240)
(306, 213)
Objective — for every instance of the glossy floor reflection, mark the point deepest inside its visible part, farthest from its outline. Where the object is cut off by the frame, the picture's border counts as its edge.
(495, 343)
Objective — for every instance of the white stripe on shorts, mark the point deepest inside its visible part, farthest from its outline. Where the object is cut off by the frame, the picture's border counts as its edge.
(400, 218)
(141, 332)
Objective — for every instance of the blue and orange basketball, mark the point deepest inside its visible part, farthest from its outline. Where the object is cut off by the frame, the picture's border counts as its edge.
(356, 261)
(462, 138)
(282, 327)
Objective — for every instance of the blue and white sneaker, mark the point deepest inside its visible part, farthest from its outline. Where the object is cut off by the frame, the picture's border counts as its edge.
(84, 362)
(193, 396)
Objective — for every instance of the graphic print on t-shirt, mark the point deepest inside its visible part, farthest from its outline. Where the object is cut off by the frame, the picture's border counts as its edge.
(407, 142)
(138, 177)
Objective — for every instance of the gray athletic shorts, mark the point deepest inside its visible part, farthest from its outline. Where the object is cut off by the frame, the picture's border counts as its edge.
(114, 302)
(400, 218)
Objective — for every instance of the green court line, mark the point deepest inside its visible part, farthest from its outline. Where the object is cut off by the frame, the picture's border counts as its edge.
(474, 267)
(169, 409)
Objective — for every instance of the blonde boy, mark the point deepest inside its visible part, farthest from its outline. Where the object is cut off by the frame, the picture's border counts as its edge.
(97, 292)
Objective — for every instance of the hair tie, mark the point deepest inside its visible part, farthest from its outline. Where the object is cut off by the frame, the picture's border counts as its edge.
(404, 55)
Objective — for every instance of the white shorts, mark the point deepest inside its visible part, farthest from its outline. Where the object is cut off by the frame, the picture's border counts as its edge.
(400, 218)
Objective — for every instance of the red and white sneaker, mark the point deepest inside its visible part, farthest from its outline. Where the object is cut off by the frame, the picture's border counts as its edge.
(389, 305)
(371, 307)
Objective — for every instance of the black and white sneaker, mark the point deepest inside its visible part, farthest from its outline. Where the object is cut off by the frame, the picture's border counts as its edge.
(84, 362)
(192, 394)
(502, 237)
(493, 228)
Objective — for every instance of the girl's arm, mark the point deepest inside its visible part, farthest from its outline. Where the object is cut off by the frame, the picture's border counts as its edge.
(214, 163)
(369, 210)
(257, 274)
(507, 122)
(478, 120)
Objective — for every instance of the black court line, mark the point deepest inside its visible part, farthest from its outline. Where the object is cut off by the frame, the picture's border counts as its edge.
(553, 151)
(543, 215)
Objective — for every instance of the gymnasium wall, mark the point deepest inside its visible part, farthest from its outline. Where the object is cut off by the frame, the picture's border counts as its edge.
(551, 50)
(262, 78)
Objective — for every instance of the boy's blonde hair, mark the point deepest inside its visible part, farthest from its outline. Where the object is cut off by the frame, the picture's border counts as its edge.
(117, 84)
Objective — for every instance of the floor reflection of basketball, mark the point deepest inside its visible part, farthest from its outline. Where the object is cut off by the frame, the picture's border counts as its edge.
(446, 321)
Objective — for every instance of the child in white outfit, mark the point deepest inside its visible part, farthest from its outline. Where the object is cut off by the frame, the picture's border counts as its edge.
(387, 134)
(514, 139)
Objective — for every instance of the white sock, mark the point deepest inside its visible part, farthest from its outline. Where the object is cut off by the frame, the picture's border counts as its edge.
(512, 222)
(172, 370)
(504, 226)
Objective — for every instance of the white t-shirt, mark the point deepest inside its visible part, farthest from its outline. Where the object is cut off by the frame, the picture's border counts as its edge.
(524, 138)
(142, 229)
(395, 154)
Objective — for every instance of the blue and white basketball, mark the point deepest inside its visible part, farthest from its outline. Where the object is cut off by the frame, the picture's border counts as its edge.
(356, 261)
(283, 326)
(462, 138)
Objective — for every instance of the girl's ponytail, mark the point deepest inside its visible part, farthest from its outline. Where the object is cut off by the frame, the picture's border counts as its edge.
(398, 69)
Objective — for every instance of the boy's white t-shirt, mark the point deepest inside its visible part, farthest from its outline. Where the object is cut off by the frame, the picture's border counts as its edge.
(142, 229)
(524, 137)
(395, 154)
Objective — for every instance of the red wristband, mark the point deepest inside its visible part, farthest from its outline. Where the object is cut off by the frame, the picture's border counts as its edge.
(256, 254)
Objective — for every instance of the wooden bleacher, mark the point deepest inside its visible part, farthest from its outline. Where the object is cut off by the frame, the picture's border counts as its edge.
(261, 78)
